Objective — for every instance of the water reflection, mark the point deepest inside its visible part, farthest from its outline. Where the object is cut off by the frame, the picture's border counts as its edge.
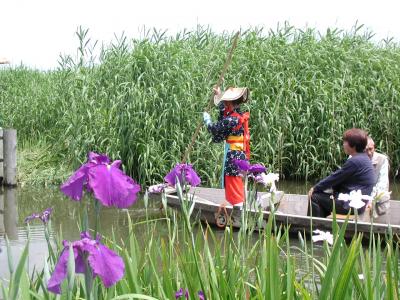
(2, 227)
(18, 203)
(10, 214)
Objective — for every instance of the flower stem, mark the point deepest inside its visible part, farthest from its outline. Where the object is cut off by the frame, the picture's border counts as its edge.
(84, 224)
(47, 230)
(97, 207)
(88, 279)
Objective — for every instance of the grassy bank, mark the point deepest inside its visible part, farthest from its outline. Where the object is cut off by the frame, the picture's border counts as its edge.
(143, 99)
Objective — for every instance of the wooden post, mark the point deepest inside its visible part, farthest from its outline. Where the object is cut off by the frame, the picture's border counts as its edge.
(10, 157)
(2, 228)
(1, 157)
(10, 213)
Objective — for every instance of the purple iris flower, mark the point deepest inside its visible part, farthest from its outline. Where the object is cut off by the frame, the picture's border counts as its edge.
(201, 295)
(44, 216)
(184, 172)
(105, 179)
(245, 166)
(179, 294)
(157, 189)
(102, 261)
(257, 168)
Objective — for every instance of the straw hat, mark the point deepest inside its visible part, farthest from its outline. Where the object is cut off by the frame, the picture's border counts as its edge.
(232, 94)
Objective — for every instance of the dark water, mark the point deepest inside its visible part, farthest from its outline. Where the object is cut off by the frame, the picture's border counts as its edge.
(16, 204)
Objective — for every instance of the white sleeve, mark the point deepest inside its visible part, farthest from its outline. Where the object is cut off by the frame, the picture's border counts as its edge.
(382, 184)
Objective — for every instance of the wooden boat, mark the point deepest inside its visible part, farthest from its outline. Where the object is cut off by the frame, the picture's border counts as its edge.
(289, 209)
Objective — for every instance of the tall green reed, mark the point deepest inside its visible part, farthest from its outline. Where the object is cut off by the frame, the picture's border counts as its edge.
(143, 97)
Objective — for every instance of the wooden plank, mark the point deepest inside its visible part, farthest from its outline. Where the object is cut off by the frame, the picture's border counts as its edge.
(211, 194)
(294, 204)
(291, 211)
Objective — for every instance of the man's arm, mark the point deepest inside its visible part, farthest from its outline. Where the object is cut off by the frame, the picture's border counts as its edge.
(336, 177)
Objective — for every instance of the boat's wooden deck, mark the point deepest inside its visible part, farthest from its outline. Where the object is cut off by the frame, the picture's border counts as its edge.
(293, 204)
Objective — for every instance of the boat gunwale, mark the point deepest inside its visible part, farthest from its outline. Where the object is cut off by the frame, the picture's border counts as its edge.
(282, 217)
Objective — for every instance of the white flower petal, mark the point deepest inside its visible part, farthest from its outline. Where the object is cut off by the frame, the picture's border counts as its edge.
(268, 179)
(344, 197)
(317, 238)
(355, 198)
(356, 203)
(322, 236)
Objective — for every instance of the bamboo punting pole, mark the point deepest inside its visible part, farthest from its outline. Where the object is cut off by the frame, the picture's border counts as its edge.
(211, 102)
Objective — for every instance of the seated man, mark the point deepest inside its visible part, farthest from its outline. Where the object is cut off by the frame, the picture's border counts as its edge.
(357, 173)
(380, 163)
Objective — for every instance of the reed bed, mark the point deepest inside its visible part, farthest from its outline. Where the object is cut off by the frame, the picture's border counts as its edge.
(141, 99)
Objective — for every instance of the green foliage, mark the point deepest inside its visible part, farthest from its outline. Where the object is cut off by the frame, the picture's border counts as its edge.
(247, 265)
(141, 101)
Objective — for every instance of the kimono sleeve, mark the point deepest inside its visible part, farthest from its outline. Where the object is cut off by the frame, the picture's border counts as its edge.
(221, 129)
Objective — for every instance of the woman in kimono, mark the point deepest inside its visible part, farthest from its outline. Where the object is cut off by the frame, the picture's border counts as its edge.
(231, 127)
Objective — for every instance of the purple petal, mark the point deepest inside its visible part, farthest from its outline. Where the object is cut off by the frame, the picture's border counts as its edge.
(157, 189)
(112, 187)
(80, 266)
(98, 256)
(31, 217)
(60, 272)
(171, 176)
(85, 234)
(117, 164)
(98, 237)
(179, 293)
(257, 168)
(98, 158)
(191, 176)
(106, 264)
(258, 178)
(245, 166)
(181, 170)
(201, 295)
(45, 216)
(242, 164)
(73, 187)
